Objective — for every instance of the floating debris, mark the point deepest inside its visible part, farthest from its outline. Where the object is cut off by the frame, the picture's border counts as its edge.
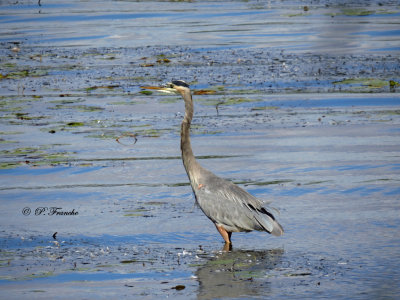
(179, 287)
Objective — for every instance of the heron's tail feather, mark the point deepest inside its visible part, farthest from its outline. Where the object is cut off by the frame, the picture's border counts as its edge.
(269, 224)
(277, 229)
(266, 220)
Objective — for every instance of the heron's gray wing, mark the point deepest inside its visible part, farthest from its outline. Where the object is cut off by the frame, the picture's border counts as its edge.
(227, 204)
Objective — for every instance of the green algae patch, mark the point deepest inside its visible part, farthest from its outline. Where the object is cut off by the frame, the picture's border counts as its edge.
(297, 15)
(26, 116)
(235, 101)
(67, 101)
(81, 108)
(105, 87)
(357, 12)
(64, 127)
(151, 132)
(32, 156)
(9, 165)
(23, 74)
(3, 141)
(130, 261)
(361, 12)
(75, 124)
(10, 132)
(393, 83)
(40, 275)
(9, 65)
(147, 93)
(395, 112)
(133, 215)
(371, 83)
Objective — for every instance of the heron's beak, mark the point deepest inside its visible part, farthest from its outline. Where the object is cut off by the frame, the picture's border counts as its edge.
(166, 88)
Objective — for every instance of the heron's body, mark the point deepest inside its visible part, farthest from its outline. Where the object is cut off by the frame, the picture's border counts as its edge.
(228, 206)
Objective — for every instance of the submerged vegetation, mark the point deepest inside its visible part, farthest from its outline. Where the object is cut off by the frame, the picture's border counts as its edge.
(52, 100)
(44, 155)
(361, 84)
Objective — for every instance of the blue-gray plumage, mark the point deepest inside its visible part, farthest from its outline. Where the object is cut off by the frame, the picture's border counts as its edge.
(228, 206)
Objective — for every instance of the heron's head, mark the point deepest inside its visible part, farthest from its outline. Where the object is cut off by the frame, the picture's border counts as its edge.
(179, 86)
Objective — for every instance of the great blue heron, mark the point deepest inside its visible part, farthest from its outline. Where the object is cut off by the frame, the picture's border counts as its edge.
(228, 206)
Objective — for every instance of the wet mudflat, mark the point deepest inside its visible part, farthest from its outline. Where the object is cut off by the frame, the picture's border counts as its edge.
(94, 200)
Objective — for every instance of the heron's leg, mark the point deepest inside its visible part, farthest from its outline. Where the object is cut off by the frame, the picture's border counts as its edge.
(225, 234)
(227, 247)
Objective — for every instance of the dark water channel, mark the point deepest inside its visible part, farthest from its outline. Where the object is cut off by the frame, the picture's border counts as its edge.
(296, 102)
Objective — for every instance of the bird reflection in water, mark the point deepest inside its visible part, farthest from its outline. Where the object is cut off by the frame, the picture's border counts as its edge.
(237, 273)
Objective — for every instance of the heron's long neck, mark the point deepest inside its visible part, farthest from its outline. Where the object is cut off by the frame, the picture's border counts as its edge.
(189, 161)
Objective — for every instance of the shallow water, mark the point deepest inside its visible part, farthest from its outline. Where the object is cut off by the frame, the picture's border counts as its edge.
(323, 26)
(315, 131)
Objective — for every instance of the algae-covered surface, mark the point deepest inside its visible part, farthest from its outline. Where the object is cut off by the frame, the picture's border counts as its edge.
(297, 103)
